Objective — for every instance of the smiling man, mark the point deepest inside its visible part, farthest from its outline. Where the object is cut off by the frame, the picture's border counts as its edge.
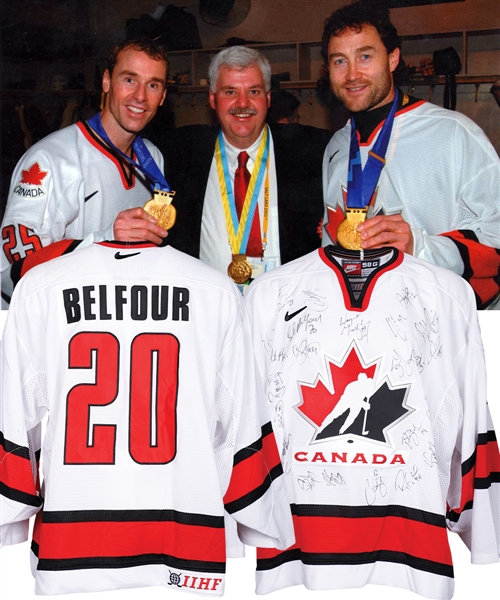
(436, 192)
(272, 174)
(74, 185)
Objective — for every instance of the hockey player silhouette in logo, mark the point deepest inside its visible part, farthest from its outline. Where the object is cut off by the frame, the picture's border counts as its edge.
(356, 397)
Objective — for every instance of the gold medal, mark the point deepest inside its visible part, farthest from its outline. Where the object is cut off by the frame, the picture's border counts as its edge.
(239, 269)
(347, 235)
(160, 207)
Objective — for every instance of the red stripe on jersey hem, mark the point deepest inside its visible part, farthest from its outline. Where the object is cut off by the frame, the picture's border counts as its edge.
(249, 473)
(363, 558)
(108, 154)
(123, 562)
(340, 535)
(107, 539)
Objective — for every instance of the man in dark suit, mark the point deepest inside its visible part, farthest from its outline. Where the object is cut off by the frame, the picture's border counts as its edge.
(284, 200)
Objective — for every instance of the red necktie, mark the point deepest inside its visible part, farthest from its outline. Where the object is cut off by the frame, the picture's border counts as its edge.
(241, 180)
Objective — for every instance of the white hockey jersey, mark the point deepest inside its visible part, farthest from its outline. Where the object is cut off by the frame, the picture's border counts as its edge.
(140, 356)
(454, 181)
(374, 372)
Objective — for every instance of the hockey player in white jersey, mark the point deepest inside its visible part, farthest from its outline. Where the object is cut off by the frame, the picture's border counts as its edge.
(74, 185)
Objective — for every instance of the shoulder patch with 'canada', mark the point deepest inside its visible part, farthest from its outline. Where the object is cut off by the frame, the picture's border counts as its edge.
(31, 185)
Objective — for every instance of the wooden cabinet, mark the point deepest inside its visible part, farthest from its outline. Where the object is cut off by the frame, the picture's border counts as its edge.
(479, 51)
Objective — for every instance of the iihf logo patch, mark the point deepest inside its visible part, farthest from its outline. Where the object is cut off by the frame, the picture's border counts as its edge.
(353, 402)
(195, 582)
(175, 579)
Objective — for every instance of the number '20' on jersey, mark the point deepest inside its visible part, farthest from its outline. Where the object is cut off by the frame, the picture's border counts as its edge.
(140, 357)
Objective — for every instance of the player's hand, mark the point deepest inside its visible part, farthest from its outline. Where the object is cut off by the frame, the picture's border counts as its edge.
(385, 230)
(136, 225)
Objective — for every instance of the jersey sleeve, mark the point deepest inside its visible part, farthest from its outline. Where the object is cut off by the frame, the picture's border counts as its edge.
(481, 265)
(44, 196)
(472, 247)
(22, 396)
(255, 495)
(473, 510)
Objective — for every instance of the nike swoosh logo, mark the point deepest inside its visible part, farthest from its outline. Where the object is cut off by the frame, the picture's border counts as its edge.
(91, 196)
(118, 256)
(294, 314)
(332, 156)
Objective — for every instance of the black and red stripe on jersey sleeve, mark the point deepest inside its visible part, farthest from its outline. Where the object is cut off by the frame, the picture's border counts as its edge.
(330, 535)
(23, 265)
(254, 469)
(479, 472)
(481, 265)
(90, 539)
(16, 475)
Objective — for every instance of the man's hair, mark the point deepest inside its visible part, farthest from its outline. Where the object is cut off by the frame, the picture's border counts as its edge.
(152, 49)
(239, 58)
(354, 16)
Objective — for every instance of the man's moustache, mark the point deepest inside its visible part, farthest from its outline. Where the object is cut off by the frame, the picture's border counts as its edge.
(243, 111)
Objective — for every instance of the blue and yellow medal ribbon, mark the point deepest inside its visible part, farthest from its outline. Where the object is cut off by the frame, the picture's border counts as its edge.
(239, 229)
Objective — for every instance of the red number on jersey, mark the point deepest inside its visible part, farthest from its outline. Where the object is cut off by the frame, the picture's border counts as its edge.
(28, 238)
(154, 362)
(96, 445)
(9, 234)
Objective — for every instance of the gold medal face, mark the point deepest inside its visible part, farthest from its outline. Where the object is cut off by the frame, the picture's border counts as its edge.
(239, 269)
(347, 236)
(161, 208)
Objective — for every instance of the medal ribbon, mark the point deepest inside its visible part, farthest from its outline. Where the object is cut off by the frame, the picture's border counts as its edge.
(146, 162)
(361, 183)
(239, 229)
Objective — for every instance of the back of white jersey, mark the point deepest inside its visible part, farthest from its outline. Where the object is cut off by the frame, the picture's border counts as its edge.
(140, 357)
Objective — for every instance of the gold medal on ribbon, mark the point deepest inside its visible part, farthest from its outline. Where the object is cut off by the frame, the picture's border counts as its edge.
(239, 269)
(347, 235)
(161, 208)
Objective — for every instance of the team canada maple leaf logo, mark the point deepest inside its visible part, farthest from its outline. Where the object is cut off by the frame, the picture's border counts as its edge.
(353, 402)
(34, 175)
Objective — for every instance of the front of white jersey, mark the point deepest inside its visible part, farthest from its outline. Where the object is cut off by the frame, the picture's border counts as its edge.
(374, 372)
(140, 357)
(67, 186)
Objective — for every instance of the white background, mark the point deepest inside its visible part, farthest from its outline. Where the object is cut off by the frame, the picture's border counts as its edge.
(472, 581)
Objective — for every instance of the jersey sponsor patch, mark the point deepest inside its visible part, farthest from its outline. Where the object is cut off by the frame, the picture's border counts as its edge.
(31, 183)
